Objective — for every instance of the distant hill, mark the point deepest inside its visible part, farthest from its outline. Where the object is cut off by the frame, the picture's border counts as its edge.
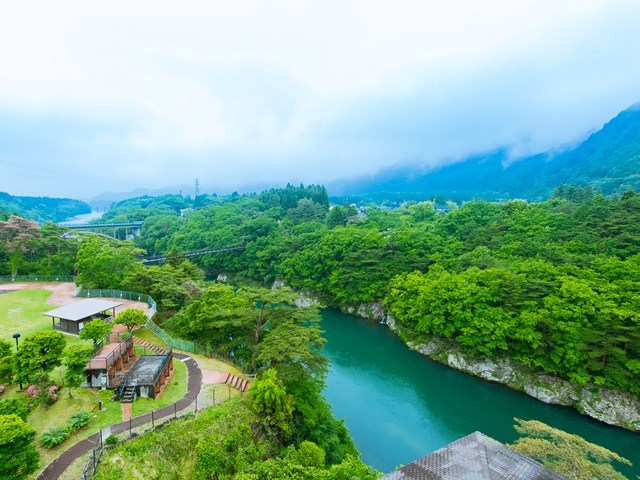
(609, 160)
(42, 209)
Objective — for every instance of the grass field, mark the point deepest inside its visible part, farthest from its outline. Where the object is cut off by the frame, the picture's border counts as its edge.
(22, 312)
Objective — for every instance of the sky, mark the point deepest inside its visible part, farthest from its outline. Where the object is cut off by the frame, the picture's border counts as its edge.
(111, 96)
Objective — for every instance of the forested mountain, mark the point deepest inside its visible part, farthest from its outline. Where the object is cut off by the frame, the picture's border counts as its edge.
(553, 285)
(609, 161)
(42, 209)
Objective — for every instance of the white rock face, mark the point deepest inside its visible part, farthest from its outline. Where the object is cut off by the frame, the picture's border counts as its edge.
(302, 302)
(609, 406)
(372, 311)
(222, 278)
(277, 284)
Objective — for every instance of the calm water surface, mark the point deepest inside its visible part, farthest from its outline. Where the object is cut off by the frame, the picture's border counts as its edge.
(399, 405)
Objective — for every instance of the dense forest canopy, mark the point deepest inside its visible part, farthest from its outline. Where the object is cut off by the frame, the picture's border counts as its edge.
(41, 209)
(553, 285)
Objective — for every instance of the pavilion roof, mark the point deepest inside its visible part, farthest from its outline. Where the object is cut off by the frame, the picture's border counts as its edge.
(82, 309)
(476, 457)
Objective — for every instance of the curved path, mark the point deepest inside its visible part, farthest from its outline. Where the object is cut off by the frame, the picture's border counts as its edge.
(60, 464)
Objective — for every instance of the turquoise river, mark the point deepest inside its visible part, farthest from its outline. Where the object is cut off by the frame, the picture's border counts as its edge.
(400, 405)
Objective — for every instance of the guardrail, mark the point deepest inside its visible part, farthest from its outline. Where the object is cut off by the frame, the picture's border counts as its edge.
(104, 363)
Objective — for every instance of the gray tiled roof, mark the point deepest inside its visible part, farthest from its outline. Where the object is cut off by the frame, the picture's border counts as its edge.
(82, 309)
(474, 457)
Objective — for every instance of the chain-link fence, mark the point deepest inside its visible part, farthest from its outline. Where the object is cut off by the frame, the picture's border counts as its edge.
(125, 295)
(37, 278)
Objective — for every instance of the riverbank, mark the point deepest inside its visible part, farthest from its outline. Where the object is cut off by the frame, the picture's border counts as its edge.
(620, 409)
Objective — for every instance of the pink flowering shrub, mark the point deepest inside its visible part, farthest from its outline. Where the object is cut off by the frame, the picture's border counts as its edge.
(52, 395)
(49, 396)
(1, 389)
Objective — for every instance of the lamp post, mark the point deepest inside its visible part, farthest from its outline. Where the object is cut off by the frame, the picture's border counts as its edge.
(17, 336)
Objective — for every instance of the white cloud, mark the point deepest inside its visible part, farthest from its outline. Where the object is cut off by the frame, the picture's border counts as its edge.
(245, 92)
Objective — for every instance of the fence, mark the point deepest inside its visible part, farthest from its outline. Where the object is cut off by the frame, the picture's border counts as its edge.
(110, 293)
(37, 278)
(157, 422)
(89, 469)
(177, 343)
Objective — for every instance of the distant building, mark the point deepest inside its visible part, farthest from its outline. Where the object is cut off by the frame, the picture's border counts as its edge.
(474, 457)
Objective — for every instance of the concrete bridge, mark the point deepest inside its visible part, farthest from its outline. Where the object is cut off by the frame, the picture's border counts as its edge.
(119, 231)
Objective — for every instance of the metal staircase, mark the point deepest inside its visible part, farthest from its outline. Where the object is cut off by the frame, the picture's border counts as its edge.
(128, 394)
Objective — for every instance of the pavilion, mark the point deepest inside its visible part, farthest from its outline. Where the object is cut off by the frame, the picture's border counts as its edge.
(73, 317)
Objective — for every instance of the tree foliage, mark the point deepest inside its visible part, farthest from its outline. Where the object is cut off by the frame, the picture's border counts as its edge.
(40, 352)
(75, 361)
(102, 263)
(569, 454)
(18, 456)
(273, 407)
(14, 406)
(131, 318)
(95, 330)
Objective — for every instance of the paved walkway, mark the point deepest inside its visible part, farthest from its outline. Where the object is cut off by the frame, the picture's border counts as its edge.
(127, 411)
(60, 464)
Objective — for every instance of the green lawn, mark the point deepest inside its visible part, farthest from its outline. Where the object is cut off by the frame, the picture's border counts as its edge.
(22, 312)
(42, 417)
(145, 334)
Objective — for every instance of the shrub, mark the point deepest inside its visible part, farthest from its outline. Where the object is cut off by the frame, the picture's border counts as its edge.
(51, 396)
(6, 369)
(54, 436)
(1, 389)
(33, 391)
(111, 441)
(79, 419)
(14, 405)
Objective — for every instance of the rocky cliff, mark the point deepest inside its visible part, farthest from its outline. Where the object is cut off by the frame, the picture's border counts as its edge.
(615, 408)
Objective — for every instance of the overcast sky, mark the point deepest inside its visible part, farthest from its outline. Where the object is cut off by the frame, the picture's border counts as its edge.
(98, 96)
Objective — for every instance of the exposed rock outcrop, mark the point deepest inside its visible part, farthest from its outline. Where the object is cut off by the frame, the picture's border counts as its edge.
(609, 406)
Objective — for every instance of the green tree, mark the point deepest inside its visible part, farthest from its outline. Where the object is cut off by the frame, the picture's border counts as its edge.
(95, 330)
(75, 361)
(569, 454)
(273, 407)
(6, 368)
(18, 456)
(294, 351)
(131, 318)
(15, 406)
(40, 352)
(5, 348)
(103, 264)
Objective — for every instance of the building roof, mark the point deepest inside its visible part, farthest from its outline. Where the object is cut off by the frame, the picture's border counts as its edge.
(82, 309)
(474, 457)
